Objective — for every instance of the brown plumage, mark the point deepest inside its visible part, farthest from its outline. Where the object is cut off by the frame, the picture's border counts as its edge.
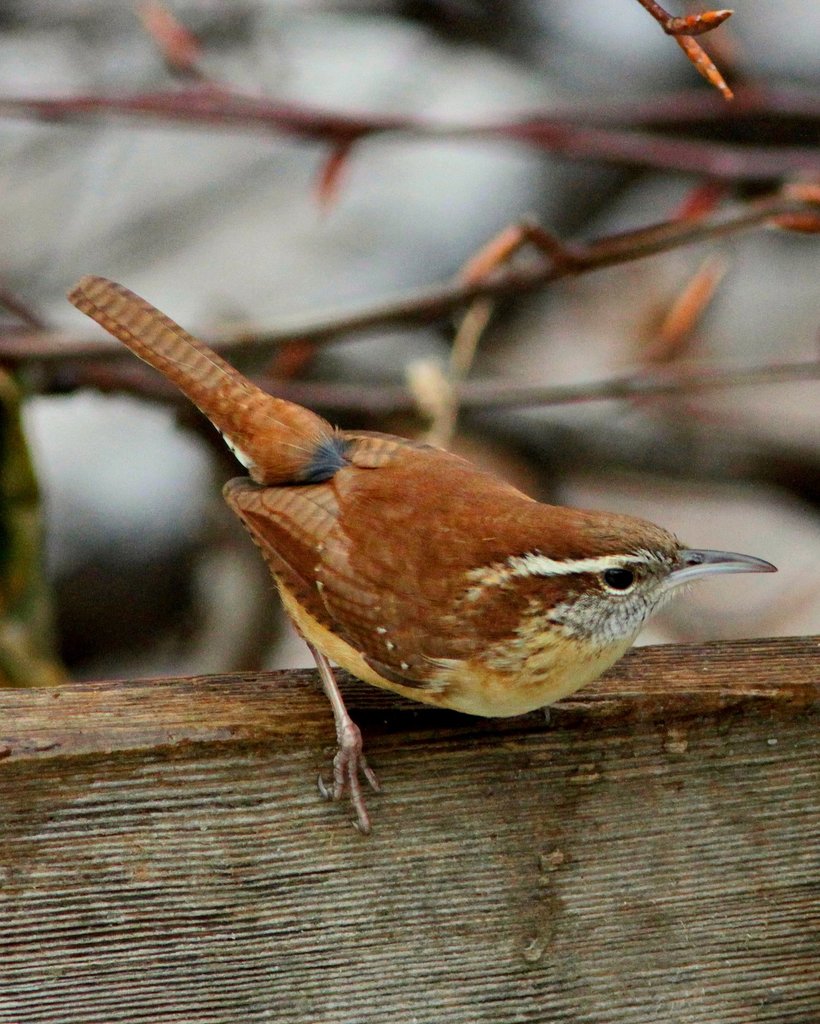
(404, 606)
(405, 564)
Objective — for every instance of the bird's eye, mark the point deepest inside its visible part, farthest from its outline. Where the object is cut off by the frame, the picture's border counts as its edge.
(619, 579)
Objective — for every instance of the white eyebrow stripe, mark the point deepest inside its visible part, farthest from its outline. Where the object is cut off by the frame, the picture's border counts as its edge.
(534, 564)
(540, 565)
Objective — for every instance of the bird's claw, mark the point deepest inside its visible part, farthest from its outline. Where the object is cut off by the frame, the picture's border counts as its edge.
(348, 763)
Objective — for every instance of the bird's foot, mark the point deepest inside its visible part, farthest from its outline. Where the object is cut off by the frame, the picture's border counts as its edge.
(348, 764)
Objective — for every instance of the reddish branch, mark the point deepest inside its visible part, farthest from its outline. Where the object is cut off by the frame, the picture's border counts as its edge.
(693, 108)
(435, 302)
(24, 313)
(388, 399)
(579, 136)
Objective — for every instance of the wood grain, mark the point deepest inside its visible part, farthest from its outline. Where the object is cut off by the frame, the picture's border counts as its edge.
(650, 854)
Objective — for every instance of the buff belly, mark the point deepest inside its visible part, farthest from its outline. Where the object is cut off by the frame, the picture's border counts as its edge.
(557, 667)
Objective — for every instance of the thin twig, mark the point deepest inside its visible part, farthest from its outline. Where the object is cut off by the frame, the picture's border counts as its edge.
(498, 252)
(370, 400)
(573, 136)
(674, 335)
(689, 25)
(684, 31)
(427, 305)
(180, 49)
(692, 108)
(674, 382)
(24, 313)
(437, 391)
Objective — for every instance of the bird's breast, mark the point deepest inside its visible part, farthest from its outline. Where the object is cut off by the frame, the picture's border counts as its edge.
(516, 677)
(502, 680)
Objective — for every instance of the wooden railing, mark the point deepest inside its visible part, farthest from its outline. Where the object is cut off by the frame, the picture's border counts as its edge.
(647, 854)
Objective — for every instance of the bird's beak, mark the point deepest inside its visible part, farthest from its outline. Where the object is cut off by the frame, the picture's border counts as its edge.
(692, 564)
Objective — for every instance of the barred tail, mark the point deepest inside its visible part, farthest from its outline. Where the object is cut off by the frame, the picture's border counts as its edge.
(277, 441)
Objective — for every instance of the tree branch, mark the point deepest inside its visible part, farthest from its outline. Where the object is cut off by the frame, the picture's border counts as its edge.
(571, 135)
(376, 399)
(427, 305)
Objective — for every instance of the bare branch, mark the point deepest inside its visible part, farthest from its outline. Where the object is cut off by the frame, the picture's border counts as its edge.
(427, 305)
(675, 381)
(386, 399)
(577, 136)
(24, 313)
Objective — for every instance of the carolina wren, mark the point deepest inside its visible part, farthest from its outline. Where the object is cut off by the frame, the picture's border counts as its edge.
(405, 564)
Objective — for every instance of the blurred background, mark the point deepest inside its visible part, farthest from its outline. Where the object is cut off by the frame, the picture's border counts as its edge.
(224, 229)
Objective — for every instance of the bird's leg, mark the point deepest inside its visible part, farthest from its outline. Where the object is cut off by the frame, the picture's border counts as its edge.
(349, 759)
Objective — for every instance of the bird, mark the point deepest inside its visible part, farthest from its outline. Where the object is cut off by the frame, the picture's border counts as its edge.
(407, 565)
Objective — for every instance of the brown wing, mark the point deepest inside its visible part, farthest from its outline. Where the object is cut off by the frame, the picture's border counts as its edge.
(289, 524)
(377, 555)
(394, 565)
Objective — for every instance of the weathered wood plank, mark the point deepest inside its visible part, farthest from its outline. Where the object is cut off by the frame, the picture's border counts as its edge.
(651, 854)
(650, 683)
